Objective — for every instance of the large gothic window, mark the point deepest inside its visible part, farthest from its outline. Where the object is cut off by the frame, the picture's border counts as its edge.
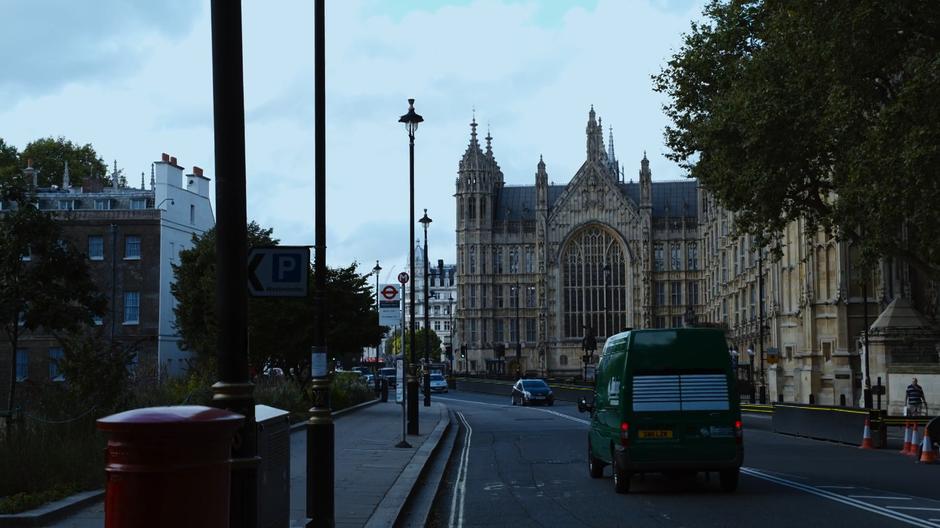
(594, 286)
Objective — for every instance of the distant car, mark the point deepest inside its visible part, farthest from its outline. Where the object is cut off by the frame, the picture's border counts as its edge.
(438, 383)
(361, 370)
(368, 379)
(532, 391)
(389, 374)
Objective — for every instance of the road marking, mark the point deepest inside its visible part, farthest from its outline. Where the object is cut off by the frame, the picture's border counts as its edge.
(836, 487)
(898, 516)
(556, 413)
(460, 486)
(878, 497)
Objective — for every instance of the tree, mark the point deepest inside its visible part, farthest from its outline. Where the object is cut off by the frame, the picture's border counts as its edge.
(50, 154)
(280, 329)
(434, 350)
(822, 111)
(44, 280)
(9, 158)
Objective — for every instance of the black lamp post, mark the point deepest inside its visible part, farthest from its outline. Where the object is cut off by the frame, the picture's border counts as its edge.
(604, 328)
(518, 337)
(411, 120)
(375, 271)
(426, 221)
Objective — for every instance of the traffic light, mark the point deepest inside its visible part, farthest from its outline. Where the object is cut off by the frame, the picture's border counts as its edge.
(463, 351)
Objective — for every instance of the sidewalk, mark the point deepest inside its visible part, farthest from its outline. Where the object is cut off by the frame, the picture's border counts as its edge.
(368, 468)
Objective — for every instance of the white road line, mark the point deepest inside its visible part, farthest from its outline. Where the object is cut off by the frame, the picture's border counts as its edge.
(556, 413)
(898, 516)
(878, 497)
(460, 486)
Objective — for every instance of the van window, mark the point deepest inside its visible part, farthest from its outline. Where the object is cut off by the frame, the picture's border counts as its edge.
(680, 392)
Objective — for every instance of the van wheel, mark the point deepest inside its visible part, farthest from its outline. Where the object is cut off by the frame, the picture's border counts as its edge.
(729, 479)
(595, 465)
(621, 477)
(513, 398)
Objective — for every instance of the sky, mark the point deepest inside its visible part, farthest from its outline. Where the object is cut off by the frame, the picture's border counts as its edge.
(134, 79)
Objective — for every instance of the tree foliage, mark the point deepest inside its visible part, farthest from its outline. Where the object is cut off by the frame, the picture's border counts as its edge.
(50, 154)
(434, 346)
(825, 111)
(280, 330)
(44, 279)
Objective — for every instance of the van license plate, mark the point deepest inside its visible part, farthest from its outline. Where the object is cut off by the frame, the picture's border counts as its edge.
(658, 433)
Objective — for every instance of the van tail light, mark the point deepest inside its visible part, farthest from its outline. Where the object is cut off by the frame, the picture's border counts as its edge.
(738, 431)
(624, 434)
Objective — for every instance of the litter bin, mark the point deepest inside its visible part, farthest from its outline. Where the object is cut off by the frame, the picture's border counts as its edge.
(384, 388)
(274, 469)
(169, 466)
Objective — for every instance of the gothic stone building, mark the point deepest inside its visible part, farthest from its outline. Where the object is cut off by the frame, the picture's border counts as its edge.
(540, 266)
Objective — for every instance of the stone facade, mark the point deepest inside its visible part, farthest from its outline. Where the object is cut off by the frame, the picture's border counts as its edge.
(541, 266)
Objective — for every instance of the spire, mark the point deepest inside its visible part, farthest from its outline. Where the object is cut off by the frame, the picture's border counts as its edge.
(142, 186)
(473, 157)
(114, 177)
(595, 137)
(541, 164)
(153, 179)
(610, 153)
(65, 177)
(489, 142)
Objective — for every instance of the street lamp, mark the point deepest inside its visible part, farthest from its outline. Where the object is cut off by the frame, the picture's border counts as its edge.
(518, 337)
(378, 318)
(426, 221)
(605, 328)
(411, 120)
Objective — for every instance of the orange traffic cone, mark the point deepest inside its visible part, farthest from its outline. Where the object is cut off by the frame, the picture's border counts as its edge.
(927, 453)
(906, 448)
(915, 442)
(866, 436)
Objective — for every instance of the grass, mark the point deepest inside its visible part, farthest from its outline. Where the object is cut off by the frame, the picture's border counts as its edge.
(42, 461)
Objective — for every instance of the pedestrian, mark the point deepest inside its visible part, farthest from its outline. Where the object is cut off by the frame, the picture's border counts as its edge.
(915, 399)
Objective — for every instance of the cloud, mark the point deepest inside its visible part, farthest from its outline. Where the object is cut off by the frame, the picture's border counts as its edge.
(52, 43)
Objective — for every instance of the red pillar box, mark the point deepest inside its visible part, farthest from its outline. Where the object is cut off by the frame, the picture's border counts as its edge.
(169, 467)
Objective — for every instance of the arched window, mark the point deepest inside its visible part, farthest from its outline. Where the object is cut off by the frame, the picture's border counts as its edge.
(594, 286)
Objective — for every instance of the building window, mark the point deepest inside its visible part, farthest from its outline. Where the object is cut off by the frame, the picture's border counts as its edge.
(472, 265)
(827, 351)
(513, 260)
(97, 320)
(675, 293)
(103, 204)
(660, 322)
(22, 364)
(677, 321)
(788, 352)
(138, 203)
(661, 294)
(192, 214)
(131, 307)
(498, 260)
(499, 334)
(693, 293)
(131, 247)
(658, 262)
(530, 330)
(28, 254)
(66, 205)
(692, 249)
(588, 294)
(513, 330)
(499, 295)
(474, 338)
(473, 296)
(563, 360)
(55, 354)
(529, 260)
(95, 247)
(724, 267)
(447, 326)
(530, 297)
(675, 256)
(484, 289)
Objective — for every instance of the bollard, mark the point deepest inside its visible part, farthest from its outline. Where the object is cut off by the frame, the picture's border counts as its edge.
(169, 466)
(842, 400)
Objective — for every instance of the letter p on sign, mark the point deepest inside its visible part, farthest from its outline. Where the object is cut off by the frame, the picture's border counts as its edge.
(286, 268)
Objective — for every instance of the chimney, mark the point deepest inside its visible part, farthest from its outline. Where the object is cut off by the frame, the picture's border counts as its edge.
(173, 160)
(197, 170)
(165, 157)
(197, 182)
(31, 173)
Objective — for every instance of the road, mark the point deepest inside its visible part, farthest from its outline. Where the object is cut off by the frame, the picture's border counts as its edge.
(522, 467)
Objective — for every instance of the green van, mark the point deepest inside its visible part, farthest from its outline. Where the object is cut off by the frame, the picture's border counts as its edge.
(665, 401)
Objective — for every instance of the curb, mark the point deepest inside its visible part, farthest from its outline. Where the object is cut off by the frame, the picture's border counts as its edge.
(56, 510)
(51, 511)
(389, 510)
